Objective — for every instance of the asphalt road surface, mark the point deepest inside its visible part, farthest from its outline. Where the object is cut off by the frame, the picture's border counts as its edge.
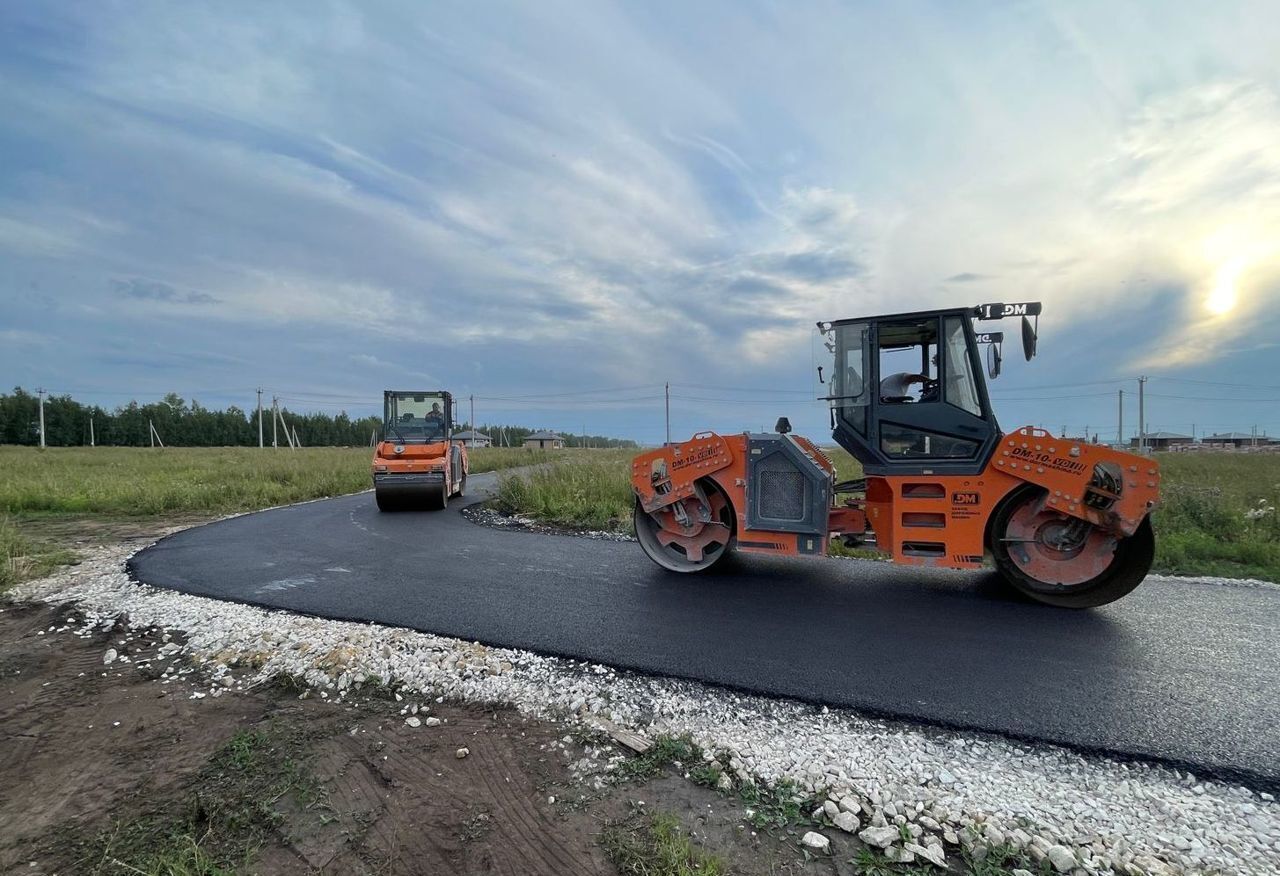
(1181, 672)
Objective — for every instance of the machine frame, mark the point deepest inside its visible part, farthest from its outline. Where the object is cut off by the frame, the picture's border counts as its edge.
(1064, 520)
(418, 471)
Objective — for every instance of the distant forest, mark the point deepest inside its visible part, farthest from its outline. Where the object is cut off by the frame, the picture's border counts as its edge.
(182, 423)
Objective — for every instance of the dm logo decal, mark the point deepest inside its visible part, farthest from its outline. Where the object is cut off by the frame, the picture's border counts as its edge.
(965, 498)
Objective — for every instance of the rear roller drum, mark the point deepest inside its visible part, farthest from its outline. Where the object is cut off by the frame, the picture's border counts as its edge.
(436, 497)
(1064, 561)
(692, 534)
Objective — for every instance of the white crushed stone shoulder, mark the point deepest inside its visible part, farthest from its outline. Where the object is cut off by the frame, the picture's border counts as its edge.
(1108, 817)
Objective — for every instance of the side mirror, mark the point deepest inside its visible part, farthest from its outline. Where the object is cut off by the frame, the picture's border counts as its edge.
(783, 426)
(1028, 339)
(994, 358)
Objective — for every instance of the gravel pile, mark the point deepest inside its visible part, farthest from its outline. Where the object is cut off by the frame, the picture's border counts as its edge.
(484, 516)
(885, 781)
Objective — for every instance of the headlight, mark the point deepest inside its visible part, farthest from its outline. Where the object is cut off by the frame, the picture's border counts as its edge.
(379, 468)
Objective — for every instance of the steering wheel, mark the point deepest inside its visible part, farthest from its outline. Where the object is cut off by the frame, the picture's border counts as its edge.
(930, 391)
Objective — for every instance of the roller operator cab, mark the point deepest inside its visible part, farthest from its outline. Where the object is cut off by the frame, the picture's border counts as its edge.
(1064, 521)
(417, 464)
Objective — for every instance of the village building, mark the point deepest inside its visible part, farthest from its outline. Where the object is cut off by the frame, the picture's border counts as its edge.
(544, 441)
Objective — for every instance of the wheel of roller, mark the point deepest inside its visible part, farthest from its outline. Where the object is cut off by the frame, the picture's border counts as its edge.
(436, 497)
(1060, 561)
(462, 487)
(693, 546)
(385, 502)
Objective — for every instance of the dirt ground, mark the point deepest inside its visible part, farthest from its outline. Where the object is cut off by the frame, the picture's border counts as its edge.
(122, 768)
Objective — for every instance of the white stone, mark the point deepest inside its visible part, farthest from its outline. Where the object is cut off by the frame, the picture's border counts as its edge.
(413, 721)
(899, 855)
(932, 854)
(850, 804)
(1061, 858)
(109, 657)
(846, 821)
(462, 752)
(815, 841)
(880, 837)
(432, 722)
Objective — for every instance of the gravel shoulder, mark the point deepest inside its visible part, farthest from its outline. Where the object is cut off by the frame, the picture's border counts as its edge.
(902, 787)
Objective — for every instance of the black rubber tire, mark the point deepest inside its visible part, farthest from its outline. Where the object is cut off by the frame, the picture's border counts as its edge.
(1128, 569)
(462, 487)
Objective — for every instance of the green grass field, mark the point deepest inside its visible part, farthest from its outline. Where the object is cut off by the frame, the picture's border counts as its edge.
(1213, 519)
(588, 489)
(1218, 515)
(125, 482)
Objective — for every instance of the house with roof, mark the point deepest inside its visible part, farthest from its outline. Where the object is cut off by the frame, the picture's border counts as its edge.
(1236, 439)
(544, 440)
(473, 439)
(1164, 440)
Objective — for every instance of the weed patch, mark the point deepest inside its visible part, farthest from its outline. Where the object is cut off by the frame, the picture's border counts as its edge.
(586, 490)
(229, 810)
(654, 844)
(22, 558)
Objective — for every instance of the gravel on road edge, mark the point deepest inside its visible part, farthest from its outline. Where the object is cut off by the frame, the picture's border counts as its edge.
(1082, 814)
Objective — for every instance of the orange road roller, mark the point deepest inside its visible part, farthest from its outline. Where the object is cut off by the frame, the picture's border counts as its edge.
(1064, 521)
(417, 464)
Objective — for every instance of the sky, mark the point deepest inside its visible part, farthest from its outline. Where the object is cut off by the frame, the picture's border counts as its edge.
(560, 207)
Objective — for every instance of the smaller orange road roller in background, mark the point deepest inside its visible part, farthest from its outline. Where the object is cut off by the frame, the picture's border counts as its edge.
(417, 464)
(1065, 521)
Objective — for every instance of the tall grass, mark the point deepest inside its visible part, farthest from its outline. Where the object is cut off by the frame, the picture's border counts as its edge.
(127, 481)
(22, 557)
(1213, 518)
(585, 489)
(1218, 514)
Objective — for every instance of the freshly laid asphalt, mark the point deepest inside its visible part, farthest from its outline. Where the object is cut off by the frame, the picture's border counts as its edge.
(1181, 672)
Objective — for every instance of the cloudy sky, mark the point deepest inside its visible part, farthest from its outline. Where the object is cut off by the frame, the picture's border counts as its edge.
(581, 201)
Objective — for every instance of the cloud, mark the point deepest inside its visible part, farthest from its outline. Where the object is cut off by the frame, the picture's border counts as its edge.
(141, 289)
(512, 200)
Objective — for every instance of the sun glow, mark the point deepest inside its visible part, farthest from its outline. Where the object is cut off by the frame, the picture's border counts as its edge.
(1224, 294)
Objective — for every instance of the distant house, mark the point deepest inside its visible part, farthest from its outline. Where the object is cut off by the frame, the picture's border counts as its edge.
(1237, 439)
(544, 441)
(473, 439)
(1164, 440)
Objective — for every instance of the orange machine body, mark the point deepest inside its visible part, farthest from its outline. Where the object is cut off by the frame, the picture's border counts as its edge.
(917, 519)
(412, 458)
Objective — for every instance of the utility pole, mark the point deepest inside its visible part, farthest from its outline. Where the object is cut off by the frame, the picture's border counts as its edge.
(473, 421)
(259, 417)
(1142, 415)
(1120, 428)
(275, 416)
(151, 433)
(91, 444)
(668, 414)
(40, 392)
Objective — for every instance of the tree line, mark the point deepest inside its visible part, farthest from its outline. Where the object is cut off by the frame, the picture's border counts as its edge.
(181, 423)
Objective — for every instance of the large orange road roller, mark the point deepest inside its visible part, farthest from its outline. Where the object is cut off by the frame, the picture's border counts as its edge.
(1065, 521)
(417, 464)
